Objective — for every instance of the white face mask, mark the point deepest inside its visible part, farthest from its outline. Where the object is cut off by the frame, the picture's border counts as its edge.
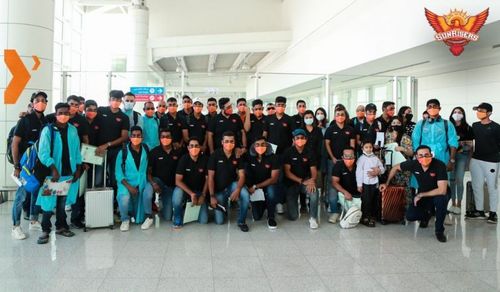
(457, 116)
(128, 105)
(320, 117)
(368, 154)
(309, 121)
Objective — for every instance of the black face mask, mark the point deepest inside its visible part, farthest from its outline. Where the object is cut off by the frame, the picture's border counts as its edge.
(397, 128)
(409, 117)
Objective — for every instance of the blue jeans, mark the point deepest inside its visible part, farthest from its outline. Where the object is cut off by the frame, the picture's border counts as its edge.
(222, 199)
(292, 196)
(17, 207)
(124, 204)
(179, 198)
(166, 197)
(258, 208)
(425, 208)
(333, 197)
(457, 176)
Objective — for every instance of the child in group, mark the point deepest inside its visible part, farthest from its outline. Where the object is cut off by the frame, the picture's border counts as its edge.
(369, 167)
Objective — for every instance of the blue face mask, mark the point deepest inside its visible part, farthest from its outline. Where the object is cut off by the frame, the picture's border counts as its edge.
(128, 105)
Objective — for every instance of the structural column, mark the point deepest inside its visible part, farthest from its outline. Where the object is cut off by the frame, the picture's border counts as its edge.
(138, 23)
(28, 27)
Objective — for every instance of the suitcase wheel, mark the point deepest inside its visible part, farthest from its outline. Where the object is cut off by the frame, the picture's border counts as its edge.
(84, 229)
(383, 222)
(111, 227)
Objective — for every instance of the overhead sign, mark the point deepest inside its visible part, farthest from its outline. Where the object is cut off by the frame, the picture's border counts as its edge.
(20, 75)
(456, 29)
(148, 93)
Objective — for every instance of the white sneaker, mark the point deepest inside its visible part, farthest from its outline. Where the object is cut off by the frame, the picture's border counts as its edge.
(17, 233)
(313, 224)
(457, 210)
(333, 218)
(147, 224)
(35, 226)
(280, 209)
(67, 208)
(447, 220)
(125, 226)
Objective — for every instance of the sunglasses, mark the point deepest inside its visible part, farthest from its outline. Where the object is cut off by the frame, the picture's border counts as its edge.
(162, 105)
(150, 108)
(270, 109)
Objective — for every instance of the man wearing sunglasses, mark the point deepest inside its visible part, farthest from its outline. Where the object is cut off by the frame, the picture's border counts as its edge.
(212, 109)
(150, 126)
(270, 109)
(161, 108)
(431, 196)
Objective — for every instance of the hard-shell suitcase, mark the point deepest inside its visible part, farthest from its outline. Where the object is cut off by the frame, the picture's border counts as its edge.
(469, 199)
(393, 202)
(99, 204)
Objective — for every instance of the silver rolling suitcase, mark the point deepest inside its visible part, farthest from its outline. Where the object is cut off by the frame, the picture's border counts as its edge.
(99, 204)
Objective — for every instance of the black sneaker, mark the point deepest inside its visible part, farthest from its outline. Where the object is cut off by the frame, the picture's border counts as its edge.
(492, 218)
(424, 223)
(243, 227)
(77, 225)
(43, 239)
(476, 215)
(271, 223)
(441, 237)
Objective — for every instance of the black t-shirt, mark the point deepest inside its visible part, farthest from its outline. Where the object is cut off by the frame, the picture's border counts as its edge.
(193, 172)
(196, 127)
(113, 123)
(225, 168)
(300, 163)
(384, 124)
(65, 160)
(221, 124)
(175, 125)
(136, 155)
(427, 180)
(28, 128)
(356, 124)
(183, 114)
(259, 171)
(487, 144)
(369, 132)
(163, 164)
(257, 128)
(280, 131)
(79, 121)
(314, 142)
(339, 138)
(298, 121)
(94, 129)
(347, 177)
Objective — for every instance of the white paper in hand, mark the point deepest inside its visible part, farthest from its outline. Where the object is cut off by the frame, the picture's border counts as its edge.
(380, 139)
(274, 147)
(258, 195)
(191, 213)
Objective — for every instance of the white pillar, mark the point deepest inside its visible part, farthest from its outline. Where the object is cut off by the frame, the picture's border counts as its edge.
(138, 25)
(28, 27)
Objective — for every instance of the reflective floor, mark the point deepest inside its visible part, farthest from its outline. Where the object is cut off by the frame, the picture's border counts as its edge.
(222, 258)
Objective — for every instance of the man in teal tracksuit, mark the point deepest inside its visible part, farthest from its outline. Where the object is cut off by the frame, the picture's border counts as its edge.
(150, 126)
(63, 161)
(131, 179)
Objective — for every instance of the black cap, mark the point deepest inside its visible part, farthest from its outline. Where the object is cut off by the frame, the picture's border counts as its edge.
(433, 101)
(118, 94)
(484, 105)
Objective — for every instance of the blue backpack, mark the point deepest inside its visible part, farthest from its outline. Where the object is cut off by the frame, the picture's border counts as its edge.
(33, 172)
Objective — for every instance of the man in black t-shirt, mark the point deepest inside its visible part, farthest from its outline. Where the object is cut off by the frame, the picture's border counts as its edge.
(163, 161)
(280, 127)
(226, 121)
(187, 107)
(175, 122)
(432, 191)
(226, 180)
(27, 132)
(262, 172)
(196, 126)
(298, 118)
(300, 173)
(191, 182)
(485, 162)
(258, 122)
(110, 140)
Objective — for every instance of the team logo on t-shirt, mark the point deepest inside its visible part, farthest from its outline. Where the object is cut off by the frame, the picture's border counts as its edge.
(285, 125)
(433, 174)
(267, 165)
(76, 125)
(234, 120)
(304, 159)
(174, 157)
(235, 162)
(200, 169)
(203, 126)
(347, 133)
(118, 120)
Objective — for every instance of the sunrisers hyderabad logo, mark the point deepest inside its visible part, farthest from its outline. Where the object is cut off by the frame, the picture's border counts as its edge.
(456, 29)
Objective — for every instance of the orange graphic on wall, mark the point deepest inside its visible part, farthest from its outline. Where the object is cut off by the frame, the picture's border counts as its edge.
(456, 29)
(20, 75)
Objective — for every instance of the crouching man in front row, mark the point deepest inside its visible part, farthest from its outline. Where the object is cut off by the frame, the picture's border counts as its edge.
(131, 178)
(432, 192)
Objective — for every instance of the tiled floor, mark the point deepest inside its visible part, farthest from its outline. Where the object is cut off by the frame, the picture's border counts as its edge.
(222, 258)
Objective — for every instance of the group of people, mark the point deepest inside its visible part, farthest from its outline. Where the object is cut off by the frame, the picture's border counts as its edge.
(227, 157)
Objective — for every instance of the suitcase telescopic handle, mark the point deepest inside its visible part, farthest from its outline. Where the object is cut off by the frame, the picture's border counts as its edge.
(104, 170)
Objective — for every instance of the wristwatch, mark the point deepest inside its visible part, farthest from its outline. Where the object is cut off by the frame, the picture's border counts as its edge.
(17, 166)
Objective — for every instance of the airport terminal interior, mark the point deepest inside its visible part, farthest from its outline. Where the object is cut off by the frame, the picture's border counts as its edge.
(322, 52)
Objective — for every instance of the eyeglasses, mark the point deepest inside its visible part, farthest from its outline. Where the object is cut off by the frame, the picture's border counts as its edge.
(427, 155)
(162, 105)
(191, 146)
(270, 109)
(260, 144)
(150, 108)
(228, 141)
(434, 106)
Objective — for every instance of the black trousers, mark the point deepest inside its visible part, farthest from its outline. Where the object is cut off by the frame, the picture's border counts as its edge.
(369, 201)
(60, 216)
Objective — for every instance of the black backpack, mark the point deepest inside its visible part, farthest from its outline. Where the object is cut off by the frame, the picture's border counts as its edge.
(10, 158)
(125, 154)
